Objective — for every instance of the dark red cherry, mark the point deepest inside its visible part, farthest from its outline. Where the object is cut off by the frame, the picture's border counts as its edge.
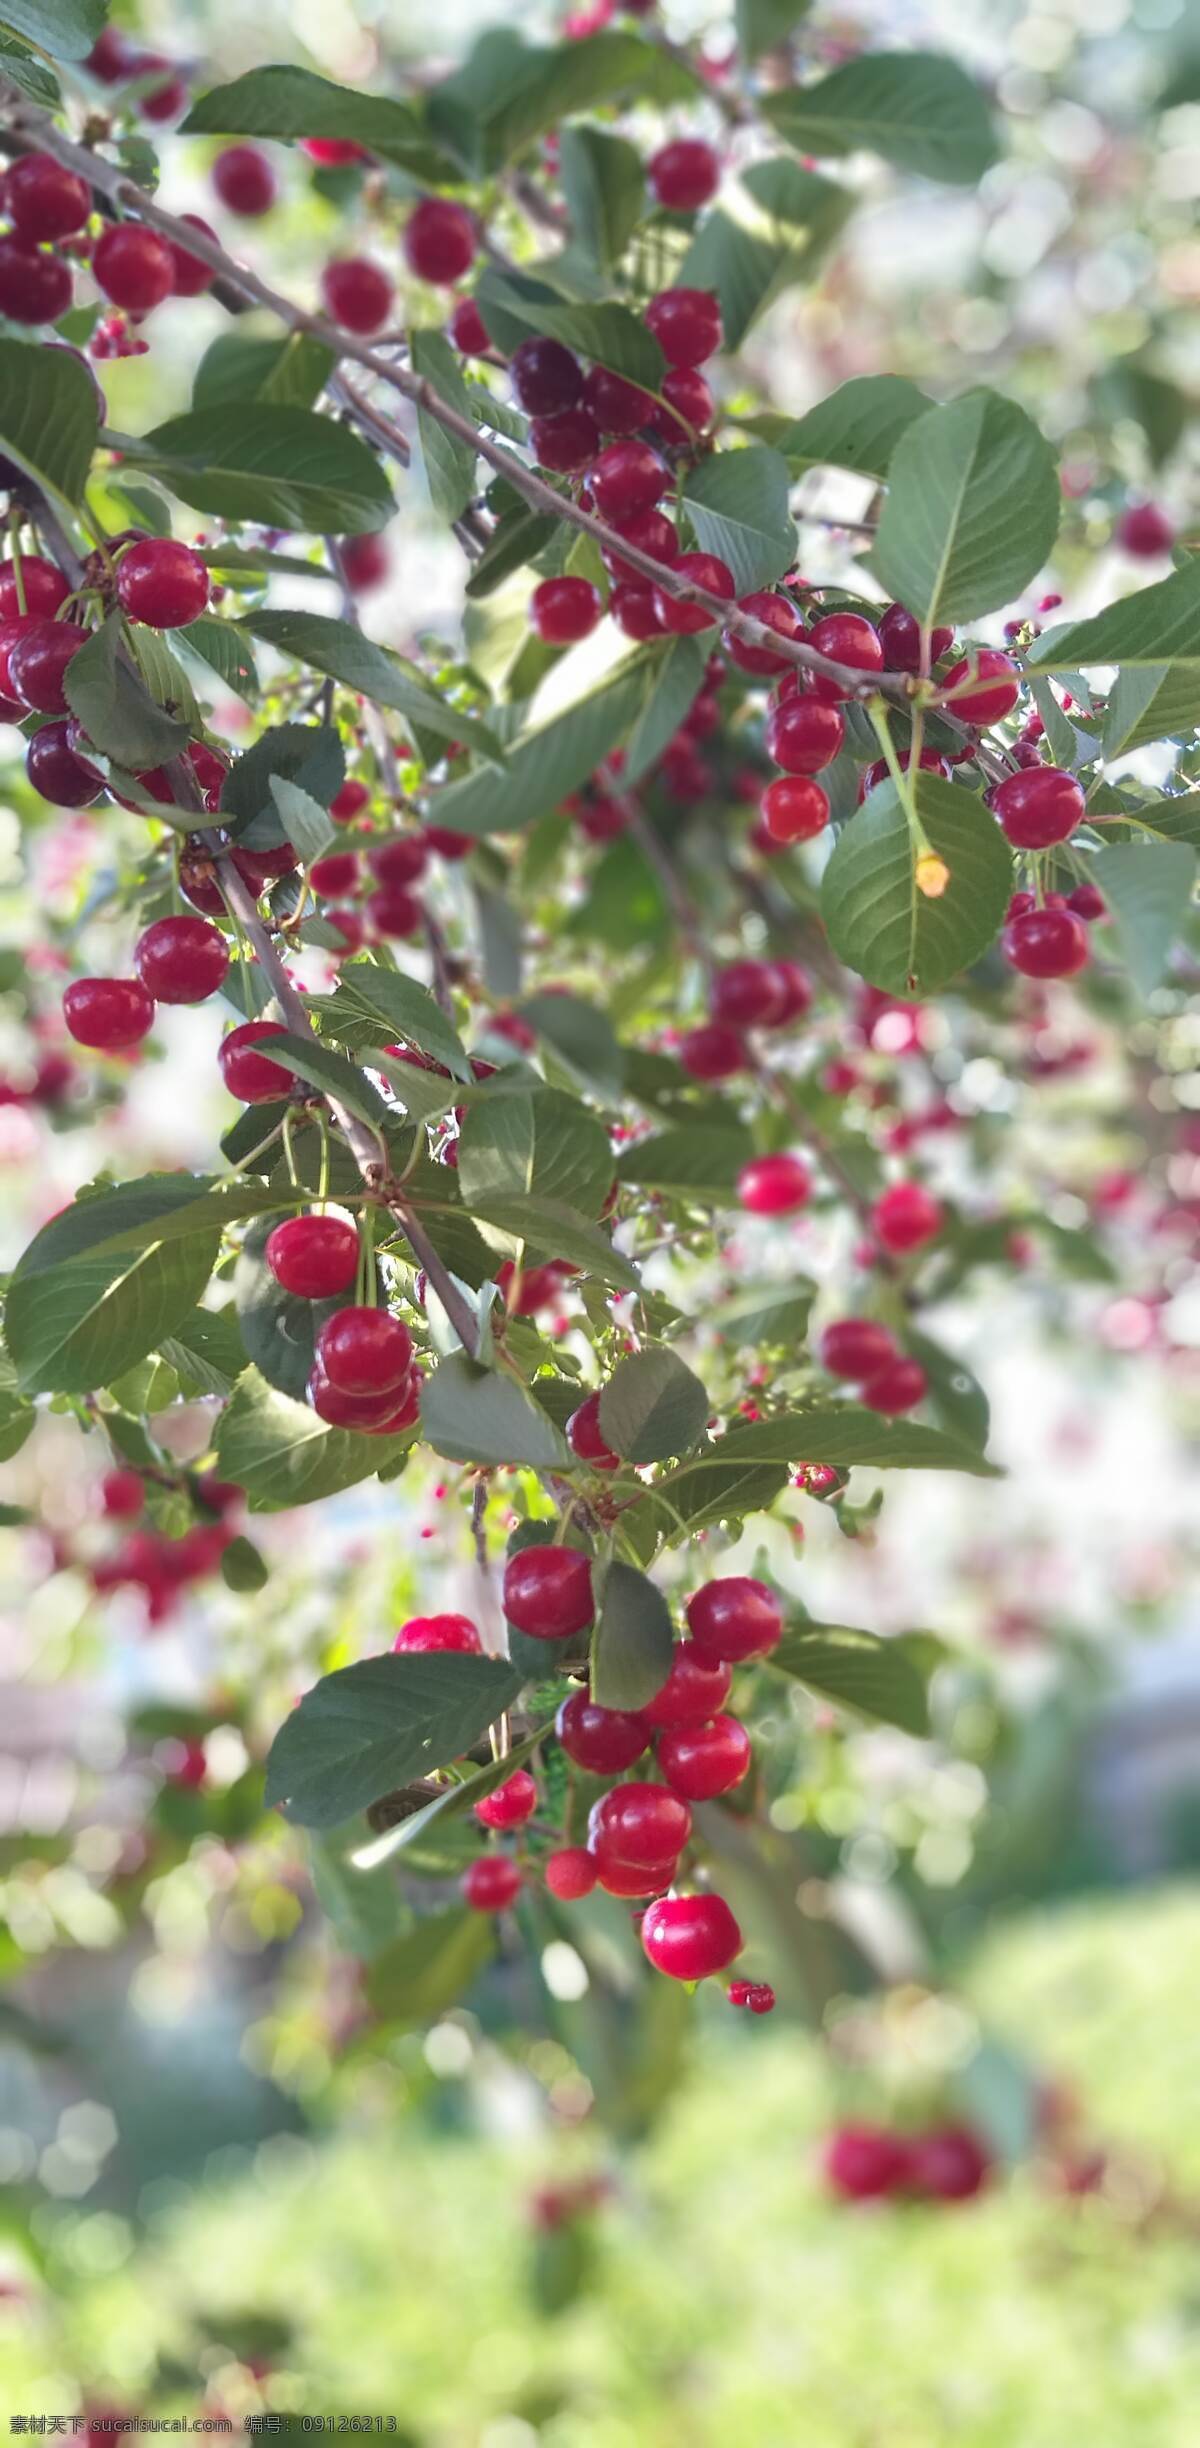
(548, 1592)
(585, 1439)
(133, 266)
(641, 1823)
(778, 614)
(492, 1884)
(34, 287)
(684, 175)
(181, 960)
(245, 181)
(565, 444)
(440, 240)
(747, 993)
(246, 1069)
(468, 330)
(804, 734)
(364, 1351)
(314, 1256)
(757, 1996)
(794, 809)
(795, 986)
(400, 858)
(701, 569)
(357, 294)
(688, 404)
(603, 1741)
(900, 638)
(366, 562)
(109, 1014)
(651, 532)
(733, 1618)
(690, 1937)
(896, 1387)
(702, 1761)
(864, 2162)
(366, 1414)
(632, 1879)
(563, 610)
(56, 772)
(1087, 902)
(626, 477)
(1143, 530)
(617, 406)
(856, 1348)
(393, 912)
(39, 660)
(349, 800)
(950, 2163)
(570, 1873)
(546, 376)
(1046, 943)
(714, 1051)
(510, 1804)
(686, 324)
(43, 200)
(41, 584)
(335, 874)
(846, 638)
(696, 1688)
(998, 688)
(191, 276)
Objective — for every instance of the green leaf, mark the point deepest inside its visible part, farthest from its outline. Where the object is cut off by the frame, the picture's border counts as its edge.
(673, 678)
(449, 463)
(765, 25)
(292, 369)
(65, 28)
(513, 305)
(542, 1144)
(879, 922)
(545, 764)
(917, 109)
(271, 464)
(283, 1455)
(507, 92)
(696, 1162)
(1151, 702)
(972, 509)
(324, 1068)
(115, 709)
(498, 925)
(453, 1802)
(875, 1677)
(857, 427)
(49, 415)
(308, 826)
(1148, 889)
(553, 1230)
(518, 537)
(581, 1036)
(290, 103)
(276, 1328)
(474, 1414)
(370, 1728)
(419, 1977)
(31, 76)
(604, 186)
(389, 1005)
(764, 1313)
(1158, 624)
(101, 1285)
(222, 647)
(1062, 739)
(244, 1568)
(339, 649)
(955, 1395)
(844, 1435)
(632, 1642)
(206, 1351)
(365, 1907)
(769, 231)
(737, 502)
(652, 1407)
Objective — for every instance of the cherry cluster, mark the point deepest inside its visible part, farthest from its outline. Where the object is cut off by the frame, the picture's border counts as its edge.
(865, 2162)
(148, 1559)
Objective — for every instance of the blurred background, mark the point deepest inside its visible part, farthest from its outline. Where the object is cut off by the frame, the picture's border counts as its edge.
(246, 2169)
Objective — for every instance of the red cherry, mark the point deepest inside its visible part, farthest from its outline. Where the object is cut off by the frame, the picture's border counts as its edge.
(190, 274)
(1046, 943)
(564, 444)
(181, 960)
(804, 734)
(122, 1494)
(713, 1052)
(447, 843)
(900, 638)
(133, 266)
(366, 1414)
(38, 660)
(734, 1618)
(651, 532)
(617, 406)
(795, 986)
(689, 402)
(774, 1185)
(440, 241)
(162, 583)
(393, 912)
(468, 330)
(55, 771)
(356, 293)
(548, 1592)
(423, 1634)
(696, 1688)
(856, 1348)
(879, 772)
(314, 1256)
(585, 1439)
(641, 1824)
(108, 1013)
(401, 858)
(247, 1072)
(627, 477)
(689, 1937)
(366, 562)
(748, 994)
(898, 1386)
(164, 101)
(604, 1741)
(985, 704)
(702, 1761)
(43, 200)
(634, 1878)
(701, 569)
(563, 610)
(364, 1351)
(335, 874)
(536, 1286)
(778, 614)
(511, 1804)
(634, 610)
(864, 2162)
(111, 56)
(570, 1873)
(34, 288)
(1039, 808)
(846, 638)
(684, 175)
(492, 1883)
(245, 181)
(333, 152)
(349, 801)
(950, 2163)
(259, 868)
(686, 324)
(1143, 529)
(546, 376)
(1087, 902)
(795, 808)
(905, 1217)
(44, 589)
(758, 1996)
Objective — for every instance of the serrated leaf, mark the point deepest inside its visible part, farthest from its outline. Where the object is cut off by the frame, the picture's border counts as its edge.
(1151, 702)
(473, 1414)
(545, 764)
(737, 502)
(395, 1006)
(31, 76)
(539, 1143)
(222, 647)
(632, 1642)
(507, 92)
(874, 1677)
(765, 25)
(271, 464)
(453, 1802)
(324, 1068)
(845, 1435)
(554, 1230)
(101, 1286)
(1158, 624)
(288, 103)
(917, 109)
(449, 463)
(282, 1454)
(377, 1725)
(653, 1408)
(604, 187)
(857, 427)
(513, 306)
(205, 1353)
(339, 649)
(308, 826)
(878, 920)
(1147, 887)
(769, 231)
(972, 509)
(291, 369)
(115, 709)
(309, 754)
(956, 1398)
(49, 415)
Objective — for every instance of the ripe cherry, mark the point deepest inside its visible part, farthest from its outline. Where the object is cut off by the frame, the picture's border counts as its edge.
(247, 1071)
(38, 661)
(366, 1414)
(56, 772)
(880, 771)
(335, 874)
(468, 330)
(688, 403)
(546, 376)
(181, 960)
(334, 152)
(896, 1387)
(905, 1217)
(349, 801)
(364, 1351)
(684, 175)
(864, 2162)
(618, 406)
(757, 1996)
(440, 241)
(604, 1741)
(803, 735)
(108, 1014)
(42, 586)
(446, 842)
(548, 1592)
(122, 1494)
(570, 1873)
(713, 1052)
(696, 1688)
(365, 561)
(563, 610)
(795, 986)
(34, 287)
(356, 293)
(701, 569)
(1046, 943)
(162, 583)
(633, 1878)
(748, 994)
(133, 266)
(774, 1185)
(1087, 902)
(689, 1937)
(44, 200)
(586, 1440)
(565, 444)
(423, 1635)
(641, 1824)
(245, 181)
(627, 477)
(401, 858)
(492, 1883)
(1143, 529)
(856, 1348)
(511, 1804)
(794, 809)
(1038, 808)
(900, 638)
(533, 1289)
(734, 1618)
(633, 608)
(686, 324)
(950, 2163)
(778, 614)
(191, 276)
(846, 638)
(393, 912)
(651, 532)
(998, 689)
(314, 1256)
(702, 1761)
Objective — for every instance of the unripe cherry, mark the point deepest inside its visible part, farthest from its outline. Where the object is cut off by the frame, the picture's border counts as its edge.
(998, 689)
(734, 1617)
(428, 1635)
(356, 293)
(701, 569)
(690, 1937)
(247, 1070)
(905, 1217)
(684, 175)
(570, 1873)
(313, 1256)
(1039, 808)
(686, 324)
(804, 734)
(695, 1689)
(1046, 943)
(585, 1437)
(640, 1824)
(492, 1883)
(546, 376)
(774, 1185)
(133, 266)
(511, 1804)
(703, 1761)
(548, 1592)
(896, 1387)
(603, 1741)
(794, 809)
(108, 1014)
(364, 1350)
(440, 240)
(564, 610)
(846, 638)
(856, 1348)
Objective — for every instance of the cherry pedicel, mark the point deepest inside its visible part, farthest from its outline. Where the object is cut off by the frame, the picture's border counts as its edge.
(684, 175)
(570, 1873)
(425, 1635)
(492, 1883)
(686, 324)
(440, 241)
(700, 569)
(108, 1014)
(1046, 943)
(357, 294)
(856, 1348)
(734, 1618)
(774, 1185)
(548, 1592)
(803, 735)
(181, 960)
(846, 638)
(564, 610)
(245, 181)
(511, 1804)
(34, 287)
(998, 690)
(365, 1351)
(247, 1070)
(696, 1688)
(603, 1741)
(690, 1937)
(702, 1761)
(1038, 808)
(162, 583)
(314, 1256)
(905, 1217)
(133, 266)
(794, 809)
(585, 1438)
